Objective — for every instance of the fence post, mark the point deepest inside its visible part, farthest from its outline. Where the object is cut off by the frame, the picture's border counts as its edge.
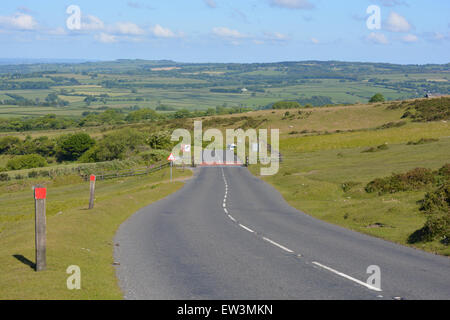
(92, 192)
(40, 194)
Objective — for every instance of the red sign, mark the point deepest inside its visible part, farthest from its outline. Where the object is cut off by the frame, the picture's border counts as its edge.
(171, 157)
(40, 193)
(92, 177)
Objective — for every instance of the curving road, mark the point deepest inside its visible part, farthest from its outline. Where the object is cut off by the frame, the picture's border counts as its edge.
(229, 235)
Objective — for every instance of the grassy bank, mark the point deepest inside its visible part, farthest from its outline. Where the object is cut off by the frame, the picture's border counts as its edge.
(75, 235)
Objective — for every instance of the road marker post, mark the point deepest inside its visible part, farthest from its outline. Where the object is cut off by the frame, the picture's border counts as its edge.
(171, 158)
(92, 191)
(40, 194)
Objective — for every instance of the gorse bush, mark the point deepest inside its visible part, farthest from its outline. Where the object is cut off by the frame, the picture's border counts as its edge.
(436, 207)
(412, 180)
(428, 110)
(26, 162)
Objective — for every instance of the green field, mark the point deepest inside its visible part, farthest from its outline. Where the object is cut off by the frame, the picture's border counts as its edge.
(149, 84)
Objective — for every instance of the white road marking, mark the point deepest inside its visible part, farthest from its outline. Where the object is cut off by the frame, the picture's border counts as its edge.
(244, 227)
(229, 216)
(347, 277)
(278, 245)
(224, 205)
(226, 211)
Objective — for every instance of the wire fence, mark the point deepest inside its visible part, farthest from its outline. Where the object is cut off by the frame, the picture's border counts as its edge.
(127, 173)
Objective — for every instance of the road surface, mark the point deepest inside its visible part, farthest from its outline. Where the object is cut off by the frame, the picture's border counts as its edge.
(228, 235)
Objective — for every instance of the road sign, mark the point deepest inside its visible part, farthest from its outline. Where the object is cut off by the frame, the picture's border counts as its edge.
(171, 157)
(186, 147)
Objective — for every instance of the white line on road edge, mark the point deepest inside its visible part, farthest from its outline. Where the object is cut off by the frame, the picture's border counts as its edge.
(347, 277)
(278, 245)
(244, 227)
(229, 216)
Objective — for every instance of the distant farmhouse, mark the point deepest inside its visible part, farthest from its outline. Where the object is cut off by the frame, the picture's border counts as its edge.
(433, 95)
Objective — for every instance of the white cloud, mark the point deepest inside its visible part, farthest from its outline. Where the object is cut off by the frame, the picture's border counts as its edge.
(292, 4)
(397, 23)
(91, 23)
(106, 38)
(378, 38)
(128, 28)
(18, 21)
(438, 36)
(410, 38)
(210, 3)
(228, 33)
(276, 36)
(161, 32)
(315, 40)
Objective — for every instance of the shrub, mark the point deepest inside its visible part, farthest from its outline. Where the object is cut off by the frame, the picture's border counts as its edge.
(438, 200)
(114, 146)
(414, 179)
(4, 177)
(70, 147)
(26, 162)
(377, 98)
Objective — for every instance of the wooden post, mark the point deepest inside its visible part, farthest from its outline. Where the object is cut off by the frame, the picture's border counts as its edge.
(40, 193)
(92, 192)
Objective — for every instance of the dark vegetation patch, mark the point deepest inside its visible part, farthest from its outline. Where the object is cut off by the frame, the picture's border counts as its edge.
(415, 179)
(376, 149)
(428, 110)
(392, 125)
(422, 141)
(347, 186)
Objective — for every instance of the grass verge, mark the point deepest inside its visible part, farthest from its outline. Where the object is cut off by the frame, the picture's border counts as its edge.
(75, 235)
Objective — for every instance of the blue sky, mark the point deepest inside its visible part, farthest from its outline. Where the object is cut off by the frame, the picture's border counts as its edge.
(412, 31)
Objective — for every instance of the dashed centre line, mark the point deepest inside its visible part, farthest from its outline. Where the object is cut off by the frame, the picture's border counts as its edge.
(278, 245)
(368, 286)
(246, 228)
(347, 277)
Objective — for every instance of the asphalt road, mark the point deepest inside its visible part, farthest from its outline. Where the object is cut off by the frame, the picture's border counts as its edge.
(229, 235)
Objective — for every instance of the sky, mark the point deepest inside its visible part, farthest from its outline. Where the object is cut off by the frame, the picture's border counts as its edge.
(395, 31)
